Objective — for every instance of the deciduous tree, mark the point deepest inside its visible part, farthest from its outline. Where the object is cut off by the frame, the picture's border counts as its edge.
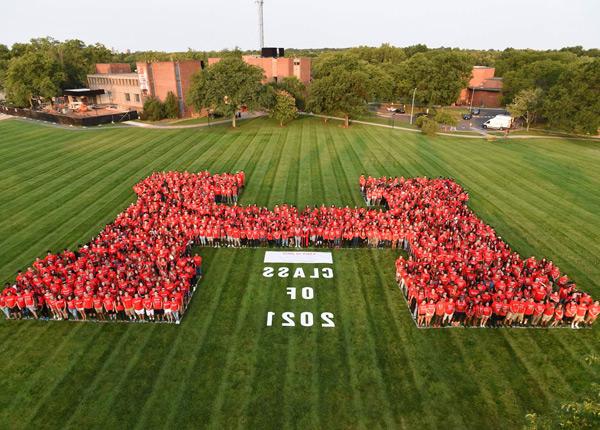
(226, 86)
(285, 108)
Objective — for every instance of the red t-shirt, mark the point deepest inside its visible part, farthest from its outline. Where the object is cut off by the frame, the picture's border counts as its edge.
(138, 304)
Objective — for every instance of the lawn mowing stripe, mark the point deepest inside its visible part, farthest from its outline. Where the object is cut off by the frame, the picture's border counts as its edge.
(400, 321)
(32, 379)
(344, 336)
(112, 402)
(317, 181)
(368, 351)
(61, 175)
(230, 365)
(50, 199)
(18, 355)
(179, 355)
(80, 368)
(89, 392)
(186, 383)
(380, 272)
(268, 184)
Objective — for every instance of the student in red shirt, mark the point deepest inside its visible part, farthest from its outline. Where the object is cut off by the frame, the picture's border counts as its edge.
(429, 312)
(548, 313)
(3, 307)
(29, 298)
(486, 313)
(538, 311)
(138, 307)
(79, 307)
(60, 306)
(98, 308)
(580, 314)
(558, 316)
(128, 305)
(422, 313)
(175, 310)
(593, 311)
(109, 306)
(71, 307)
(148, 307)
(448, 311)
(157, 303)
(440, 309)
(167, 309)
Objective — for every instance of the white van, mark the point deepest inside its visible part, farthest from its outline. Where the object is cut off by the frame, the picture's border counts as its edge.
(499, 122)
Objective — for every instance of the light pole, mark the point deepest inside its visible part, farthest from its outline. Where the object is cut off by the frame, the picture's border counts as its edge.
(472, 97)
(412, 106)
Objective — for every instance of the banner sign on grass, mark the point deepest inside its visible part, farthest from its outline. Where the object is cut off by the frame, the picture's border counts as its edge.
(298, 257)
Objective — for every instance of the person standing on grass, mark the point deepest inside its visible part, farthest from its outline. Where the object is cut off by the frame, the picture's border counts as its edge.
(157, 304)
(580, 314)
(79, 307)
(167, 309)
(429, 313)
(538, 312)
(548, 313)
(175, 310)
(449, 307)
(98, 308)
(88, 305)
(486, 313)
(593, 312)
(422, 313)
(109, 306)
(570, 313)
(138, 307)
(3, 307)
(558, 316)
(128, 305)
(29, 298)
(148, 307)
(440, 310)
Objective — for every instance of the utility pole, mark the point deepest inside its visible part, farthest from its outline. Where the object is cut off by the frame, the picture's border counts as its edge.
(261, 30)
(412, 107)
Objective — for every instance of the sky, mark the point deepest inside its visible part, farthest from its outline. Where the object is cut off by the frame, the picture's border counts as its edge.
(176, 25)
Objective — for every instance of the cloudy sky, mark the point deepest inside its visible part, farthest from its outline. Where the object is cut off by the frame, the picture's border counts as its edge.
(172, 25)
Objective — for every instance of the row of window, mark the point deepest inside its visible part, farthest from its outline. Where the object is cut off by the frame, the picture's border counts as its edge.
(113, 81)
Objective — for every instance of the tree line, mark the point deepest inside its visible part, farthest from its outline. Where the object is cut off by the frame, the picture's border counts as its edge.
(560, 88)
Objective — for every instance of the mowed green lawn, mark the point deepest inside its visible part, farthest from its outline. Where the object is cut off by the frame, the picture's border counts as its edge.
(223, 368)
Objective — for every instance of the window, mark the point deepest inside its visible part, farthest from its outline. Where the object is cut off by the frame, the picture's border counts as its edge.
(137, 97)
(127, 97)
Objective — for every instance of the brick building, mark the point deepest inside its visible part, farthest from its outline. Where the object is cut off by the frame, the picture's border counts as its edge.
(484, 89)
(121, 86)
(275, 66)
(128, 89)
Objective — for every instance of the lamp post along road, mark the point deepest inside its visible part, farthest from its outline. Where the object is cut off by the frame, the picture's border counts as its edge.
(412, 107)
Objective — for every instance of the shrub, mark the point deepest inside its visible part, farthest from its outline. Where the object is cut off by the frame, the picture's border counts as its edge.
(153, 109)
(427, 125)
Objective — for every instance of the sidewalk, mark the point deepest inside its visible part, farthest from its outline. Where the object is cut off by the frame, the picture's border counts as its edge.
(250, 115)
(484, 134)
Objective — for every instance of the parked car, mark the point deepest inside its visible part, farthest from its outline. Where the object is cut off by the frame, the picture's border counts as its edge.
(467, 116)
(475, 111)
(393, 109)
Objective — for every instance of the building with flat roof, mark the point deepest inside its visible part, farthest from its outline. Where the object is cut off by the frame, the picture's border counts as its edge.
(483, 90)
(128, 89)
(275, 66)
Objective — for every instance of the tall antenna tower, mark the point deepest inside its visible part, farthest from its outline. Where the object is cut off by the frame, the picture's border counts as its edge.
(261, 30)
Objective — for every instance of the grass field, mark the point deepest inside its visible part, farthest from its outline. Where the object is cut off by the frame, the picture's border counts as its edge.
(223, 368)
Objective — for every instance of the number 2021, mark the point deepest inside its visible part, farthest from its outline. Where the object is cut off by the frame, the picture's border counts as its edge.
(306, 319)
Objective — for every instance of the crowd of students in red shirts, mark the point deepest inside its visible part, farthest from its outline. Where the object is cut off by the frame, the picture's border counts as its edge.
(139, 267)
